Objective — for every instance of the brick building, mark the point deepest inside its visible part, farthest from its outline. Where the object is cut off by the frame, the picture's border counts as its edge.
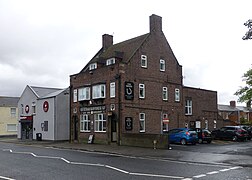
(132, 92)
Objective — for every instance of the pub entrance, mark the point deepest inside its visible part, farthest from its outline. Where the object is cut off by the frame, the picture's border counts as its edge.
(26, 130)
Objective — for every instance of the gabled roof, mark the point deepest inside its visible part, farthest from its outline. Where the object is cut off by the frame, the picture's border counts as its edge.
(126, 49)
(42, 92)
(9, 101)
(53, 94)
(229, 108)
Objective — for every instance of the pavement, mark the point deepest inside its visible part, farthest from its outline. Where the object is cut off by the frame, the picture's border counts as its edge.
(174, 154)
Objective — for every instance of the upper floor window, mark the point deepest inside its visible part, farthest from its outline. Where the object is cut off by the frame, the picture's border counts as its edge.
(98, 91)
(110, 61)
(188, 107)
(112, 89)
(143, 61)
(33, 107)
(13, 112)
(84, 93)
(93, 66)
(141, 91)
(165, 93)
(142, 122)
(162, 65)
(75, 95)
(22, 109)
(177, 95)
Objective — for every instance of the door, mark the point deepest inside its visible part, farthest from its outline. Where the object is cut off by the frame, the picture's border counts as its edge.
(75, 127)
(113, 129)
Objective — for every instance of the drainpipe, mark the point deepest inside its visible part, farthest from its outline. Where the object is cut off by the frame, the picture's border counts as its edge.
(118, 77)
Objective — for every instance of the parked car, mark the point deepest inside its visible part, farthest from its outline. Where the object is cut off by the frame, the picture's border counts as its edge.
(204, 135)
(182, 136)
(234, 133)
(248, 129)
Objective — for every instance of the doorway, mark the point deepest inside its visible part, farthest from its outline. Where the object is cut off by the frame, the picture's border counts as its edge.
(113, 129)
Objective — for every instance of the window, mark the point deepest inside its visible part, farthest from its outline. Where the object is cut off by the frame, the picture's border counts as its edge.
(98, 91)
(45, 125)
(75, 95)
(33, 107)
(84, 94)
(165, 93)
(144, 61)
(22, 109)
(177, 95)
(110, 61)
(141, 91)
(112, 89)
(11, 127)
(162, 65)
(188, 107)
(100, 123)
(142, 122)
(165, 121)
(93, 66)
(84, 123)
(13, 112)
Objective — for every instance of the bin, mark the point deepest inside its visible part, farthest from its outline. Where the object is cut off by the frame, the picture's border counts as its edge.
(38, 136)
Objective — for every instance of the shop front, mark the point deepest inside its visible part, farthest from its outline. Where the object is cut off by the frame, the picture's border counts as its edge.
(26, 127)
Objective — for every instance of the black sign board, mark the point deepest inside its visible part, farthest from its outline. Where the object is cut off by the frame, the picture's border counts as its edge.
(128, 123)
(129, 90)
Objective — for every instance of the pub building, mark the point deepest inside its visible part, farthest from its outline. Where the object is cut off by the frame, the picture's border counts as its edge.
(132, 93)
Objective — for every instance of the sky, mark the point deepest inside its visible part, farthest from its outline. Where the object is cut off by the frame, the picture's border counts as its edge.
(43, 42)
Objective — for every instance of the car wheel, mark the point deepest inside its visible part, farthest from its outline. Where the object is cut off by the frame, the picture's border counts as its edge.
(183, 141)
(234, 138)
(200, 141)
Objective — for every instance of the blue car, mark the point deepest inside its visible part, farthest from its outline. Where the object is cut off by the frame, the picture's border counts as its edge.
(182, 136)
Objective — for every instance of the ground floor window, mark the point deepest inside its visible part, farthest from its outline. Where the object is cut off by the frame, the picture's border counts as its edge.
(165, 121)
(142, 122)
(11, 127)
(100, 122)
(84, 123)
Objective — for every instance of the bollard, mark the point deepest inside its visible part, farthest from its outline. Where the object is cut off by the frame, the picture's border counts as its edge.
(154, 144)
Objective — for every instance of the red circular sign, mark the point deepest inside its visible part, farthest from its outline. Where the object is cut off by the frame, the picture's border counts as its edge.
(46, 106)
(26, 108)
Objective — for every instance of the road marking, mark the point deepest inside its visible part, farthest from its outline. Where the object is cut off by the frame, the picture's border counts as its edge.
(224, 170)
(199, 176)
(213, 172)
(7, 178)
(97, 165)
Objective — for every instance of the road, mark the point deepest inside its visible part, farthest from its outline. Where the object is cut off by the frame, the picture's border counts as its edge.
(37, 162)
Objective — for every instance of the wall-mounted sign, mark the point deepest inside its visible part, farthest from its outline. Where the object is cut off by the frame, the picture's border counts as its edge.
(128, 123)
(27, 109)
(45, 106)
(129, 90)
(93, 108)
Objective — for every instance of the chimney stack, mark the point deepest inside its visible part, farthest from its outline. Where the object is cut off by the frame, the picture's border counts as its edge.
(155, 23)
(233, 104)
(107, 41)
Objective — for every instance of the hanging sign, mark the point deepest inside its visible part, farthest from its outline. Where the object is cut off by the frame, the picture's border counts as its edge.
(129, 90)
(27, 109)
(128, 123)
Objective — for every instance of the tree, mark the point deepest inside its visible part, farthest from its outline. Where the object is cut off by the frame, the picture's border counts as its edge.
(248, 34)
(245, 93)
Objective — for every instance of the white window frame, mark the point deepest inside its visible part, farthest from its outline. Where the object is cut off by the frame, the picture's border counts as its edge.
(144, 61)
(8, 129)
(162, 65)
(99, 91)
(110, 61)
(92, 66)
(188, 107)
(165, 126)
(177, 95)
(22, 109)
(141, 91)
(75, 95)
(141, 122)
(100, 122)
(13, 112)
(165, 94)
(85, 123)
(33, 108)
(112, 89)
(84, 94)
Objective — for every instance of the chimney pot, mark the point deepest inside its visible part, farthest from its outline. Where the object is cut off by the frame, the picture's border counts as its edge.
(232, 103)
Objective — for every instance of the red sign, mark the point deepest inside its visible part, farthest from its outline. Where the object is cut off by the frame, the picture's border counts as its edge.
(166, 121)
(27, 109)
(26, 118)
(46, 106)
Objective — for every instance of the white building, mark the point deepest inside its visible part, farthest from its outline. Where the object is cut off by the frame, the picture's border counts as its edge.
(44, 113)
